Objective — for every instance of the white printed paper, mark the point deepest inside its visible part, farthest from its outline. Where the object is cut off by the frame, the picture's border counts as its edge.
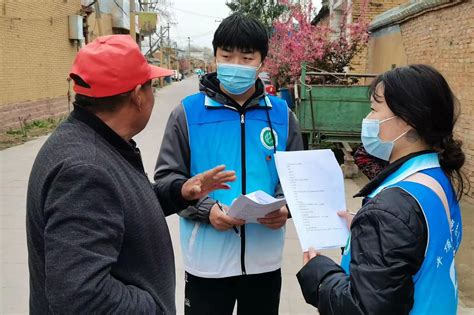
(313, 185)
(255, 205)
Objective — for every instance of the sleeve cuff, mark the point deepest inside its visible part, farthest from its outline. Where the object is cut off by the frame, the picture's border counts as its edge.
(175, 191)
(312, 275)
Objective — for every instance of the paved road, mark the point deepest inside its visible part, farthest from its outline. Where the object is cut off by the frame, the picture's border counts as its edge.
(15, 166)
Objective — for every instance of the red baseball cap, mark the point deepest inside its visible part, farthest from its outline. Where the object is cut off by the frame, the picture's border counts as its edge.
(112, 65)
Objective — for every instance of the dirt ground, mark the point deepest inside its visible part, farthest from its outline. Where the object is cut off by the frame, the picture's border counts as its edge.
(31, 131)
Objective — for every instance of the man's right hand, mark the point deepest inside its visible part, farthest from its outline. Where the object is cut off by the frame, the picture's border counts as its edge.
(202, 184)
(221, 221)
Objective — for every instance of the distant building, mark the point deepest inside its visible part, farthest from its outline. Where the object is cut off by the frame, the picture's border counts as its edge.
(199, 55)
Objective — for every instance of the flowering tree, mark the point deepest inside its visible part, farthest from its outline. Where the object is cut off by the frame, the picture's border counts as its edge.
(295, 40)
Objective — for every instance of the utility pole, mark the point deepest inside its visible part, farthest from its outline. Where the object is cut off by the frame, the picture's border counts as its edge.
(189, 52)
(168, 45)
(133, 31)
(177, 59)
(98, 17)
(189, 47)
(161, 46)
(146, 9)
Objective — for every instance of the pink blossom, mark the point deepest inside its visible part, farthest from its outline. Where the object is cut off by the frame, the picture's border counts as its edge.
(295, 40)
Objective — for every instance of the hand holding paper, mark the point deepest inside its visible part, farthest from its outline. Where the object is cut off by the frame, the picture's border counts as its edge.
(255, 205)
(276, 219)
(220, 220)
(313, 185)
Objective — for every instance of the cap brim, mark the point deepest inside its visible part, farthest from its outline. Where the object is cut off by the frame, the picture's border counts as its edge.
(158, 72)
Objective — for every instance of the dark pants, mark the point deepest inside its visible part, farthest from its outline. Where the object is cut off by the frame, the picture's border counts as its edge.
(255, 294)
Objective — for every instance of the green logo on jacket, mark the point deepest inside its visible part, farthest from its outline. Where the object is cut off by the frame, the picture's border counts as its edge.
(267, 139)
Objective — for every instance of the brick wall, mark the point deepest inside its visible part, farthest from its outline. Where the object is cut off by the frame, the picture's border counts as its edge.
(444, 39)
(36, 57)
(11, 114)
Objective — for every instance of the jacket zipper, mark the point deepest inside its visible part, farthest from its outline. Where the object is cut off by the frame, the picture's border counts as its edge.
(244, 184)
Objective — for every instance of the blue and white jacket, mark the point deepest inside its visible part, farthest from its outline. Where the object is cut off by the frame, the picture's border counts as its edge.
(209, 129)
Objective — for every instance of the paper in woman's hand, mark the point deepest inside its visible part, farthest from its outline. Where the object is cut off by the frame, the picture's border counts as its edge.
(313, 185)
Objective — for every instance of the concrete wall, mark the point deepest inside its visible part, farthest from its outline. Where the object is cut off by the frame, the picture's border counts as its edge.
(36, 57)
(94, 27)
(374, 8)
(385, 50)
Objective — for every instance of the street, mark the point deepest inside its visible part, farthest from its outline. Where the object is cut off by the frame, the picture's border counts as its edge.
(16, 163)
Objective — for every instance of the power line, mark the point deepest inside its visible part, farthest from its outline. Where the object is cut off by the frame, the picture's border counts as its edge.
(196, 35)
(197, 14)
(121, 9)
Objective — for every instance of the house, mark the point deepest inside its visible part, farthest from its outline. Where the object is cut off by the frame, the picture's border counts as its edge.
(333, 11)
(39, 41)
(36, 55)
(439, 33)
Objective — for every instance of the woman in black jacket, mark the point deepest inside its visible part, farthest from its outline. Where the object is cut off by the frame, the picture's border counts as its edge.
(400, 256)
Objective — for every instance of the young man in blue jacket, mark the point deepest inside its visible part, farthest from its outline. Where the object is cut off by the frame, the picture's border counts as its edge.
(233, 122)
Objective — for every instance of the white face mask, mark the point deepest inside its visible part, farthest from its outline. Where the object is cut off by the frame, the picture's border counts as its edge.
(372, 142)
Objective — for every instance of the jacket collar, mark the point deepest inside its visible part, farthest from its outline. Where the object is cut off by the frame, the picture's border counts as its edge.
(389, 170)
(263, 101)
(128, 150)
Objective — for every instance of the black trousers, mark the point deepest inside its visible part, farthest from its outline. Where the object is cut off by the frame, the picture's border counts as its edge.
(255, 294)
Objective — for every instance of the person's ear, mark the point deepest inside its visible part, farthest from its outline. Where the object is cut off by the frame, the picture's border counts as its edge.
(260, 69)
(137, 97)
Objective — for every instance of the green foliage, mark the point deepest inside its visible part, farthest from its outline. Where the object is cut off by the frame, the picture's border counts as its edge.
(35, 127)
(266, 11)
(27, 131)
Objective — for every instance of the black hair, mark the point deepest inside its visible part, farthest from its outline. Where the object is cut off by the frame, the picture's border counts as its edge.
(242, 32)
(105, 104)
(420, 96)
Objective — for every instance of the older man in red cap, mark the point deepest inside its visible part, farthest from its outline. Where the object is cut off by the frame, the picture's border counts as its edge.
(97, 236)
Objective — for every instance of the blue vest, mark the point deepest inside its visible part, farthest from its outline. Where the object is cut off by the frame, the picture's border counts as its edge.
(215, 137)
(435, 283)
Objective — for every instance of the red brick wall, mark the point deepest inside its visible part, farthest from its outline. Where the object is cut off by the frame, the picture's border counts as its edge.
(11, 114)
(444, 39)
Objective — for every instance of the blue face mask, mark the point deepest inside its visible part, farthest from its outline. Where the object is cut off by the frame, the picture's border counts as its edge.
(236, 79)
(372, 142)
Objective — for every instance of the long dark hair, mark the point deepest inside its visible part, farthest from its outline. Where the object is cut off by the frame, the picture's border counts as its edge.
(420, 96)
